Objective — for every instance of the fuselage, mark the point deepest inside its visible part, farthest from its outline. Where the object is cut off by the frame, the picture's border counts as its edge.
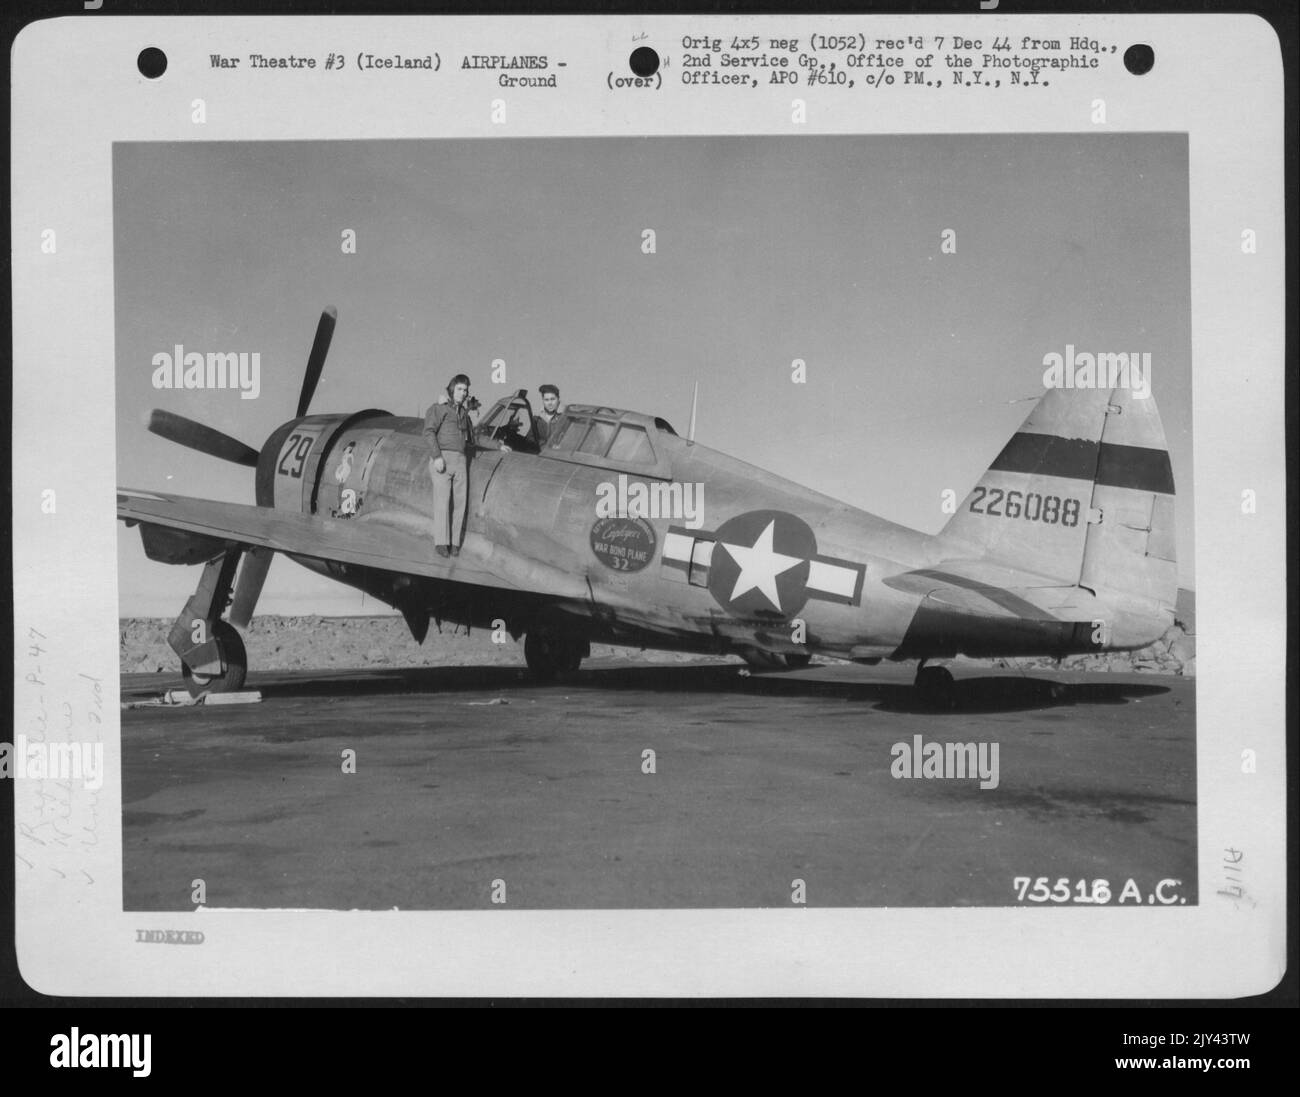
(642, 538)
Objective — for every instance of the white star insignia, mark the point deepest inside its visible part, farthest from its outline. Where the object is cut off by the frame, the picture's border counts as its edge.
(759, 566)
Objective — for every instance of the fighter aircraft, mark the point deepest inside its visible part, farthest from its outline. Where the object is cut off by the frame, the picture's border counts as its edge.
(620, 531)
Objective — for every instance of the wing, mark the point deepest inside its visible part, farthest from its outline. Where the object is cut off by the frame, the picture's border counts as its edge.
(180, 529)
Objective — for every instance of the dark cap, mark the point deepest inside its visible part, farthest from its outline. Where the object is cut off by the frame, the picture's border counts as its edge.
(459, 379)
(544, 389)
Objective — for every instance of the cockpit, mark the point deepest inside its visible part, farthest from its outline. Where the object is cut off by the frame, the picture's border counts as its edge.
(509, 422)
(583, 434)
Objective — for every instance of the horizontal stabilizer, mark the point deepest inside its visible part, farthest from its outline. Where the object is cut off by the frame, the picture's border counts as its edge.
(974, 587)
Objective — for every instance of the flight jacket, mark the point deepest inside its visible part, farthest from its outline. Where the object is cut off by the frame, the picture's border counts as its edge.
(447, 427)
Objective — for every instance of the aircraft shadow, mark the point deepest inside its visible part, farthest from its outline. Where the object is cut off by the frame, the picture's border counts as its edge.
(1006, 693)
(969, 695)
(975, 695)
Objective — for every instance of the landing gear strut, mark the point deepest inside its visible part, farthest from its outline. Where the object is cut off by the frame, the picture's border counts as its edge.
(935, 685)
(548, 654)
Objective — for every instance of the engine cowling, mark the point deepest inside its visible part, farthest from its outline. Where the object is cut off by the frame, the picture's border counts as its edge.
(292, 461)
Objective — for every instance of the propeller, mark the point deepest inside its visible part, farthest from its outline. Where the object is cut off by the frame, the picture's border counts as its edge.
(316, 360)
(186, 432)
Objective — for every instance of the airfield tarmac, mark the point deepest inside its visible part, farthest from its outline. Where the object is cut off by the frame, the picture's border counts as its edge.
(470, 775)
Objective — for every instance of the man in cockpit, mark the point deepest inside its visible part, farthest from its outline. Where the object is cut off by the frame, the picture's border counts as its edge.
(551, 411)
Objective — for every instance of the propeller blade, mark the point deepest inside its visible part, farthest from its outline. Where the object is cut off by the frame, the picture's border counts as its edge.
(316, 360)
(252, 574)
(186, 432)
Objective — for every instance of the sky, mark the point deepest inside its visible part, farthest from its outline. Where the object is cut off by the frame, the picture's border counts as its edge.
(919, 364)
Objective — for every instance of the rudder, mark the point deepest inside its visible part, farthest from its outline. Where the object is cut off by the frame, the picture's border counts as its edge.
(1130, 546)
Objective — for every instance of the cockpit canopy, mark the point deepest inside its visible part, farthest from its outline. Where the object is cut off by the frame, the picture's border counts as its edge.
(585, 434)
(509, 421)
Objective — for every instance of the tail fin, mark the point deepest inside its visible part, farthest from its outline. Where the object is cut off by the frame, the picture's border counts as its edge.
(1083, 494)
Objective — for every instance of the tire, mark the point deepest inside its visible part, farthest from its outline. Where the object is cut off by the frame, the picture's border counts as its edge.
(771, 660)
(548, 654)
(234, 662)
(936, 686)
(541, 656)
(571, 659)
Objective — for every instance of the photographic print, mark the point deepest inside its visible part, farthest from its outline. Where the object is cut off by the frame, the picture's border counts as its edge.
(683, 522)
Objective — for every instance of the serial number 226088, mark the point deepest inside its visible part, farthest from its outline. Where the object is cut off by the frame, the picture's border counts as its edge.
(1030, 506)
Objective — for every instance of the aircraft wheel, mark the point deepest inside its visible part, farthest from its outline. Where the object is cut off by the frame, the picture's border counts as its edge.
(547, 654)
(936, 685)
(771, 660)
(230, 648)
(543, 656)
(571, 657)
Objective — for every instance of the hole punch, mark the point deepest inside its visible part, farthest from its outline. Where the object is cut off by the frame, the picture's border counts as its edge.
(644, 61)
(152, 62)
(1139, 59)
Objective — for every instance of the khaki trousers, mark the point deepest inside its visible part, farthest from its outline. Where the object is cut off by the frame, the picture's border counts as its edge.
(450, 490)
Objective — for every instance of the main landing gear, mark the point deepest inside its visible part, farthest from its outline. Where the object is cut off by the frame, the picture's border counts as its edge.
(935, 685)
(212, 655)
(547, 654)
(772, 660)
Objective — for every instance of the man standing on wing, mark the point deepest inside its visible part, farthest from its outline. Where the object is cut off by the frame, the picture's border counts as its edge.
(551, 411)
(447, 429)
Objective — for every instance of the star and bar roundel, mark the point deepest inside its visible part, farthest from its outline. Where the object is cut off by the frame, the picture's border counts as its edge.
(763, 562)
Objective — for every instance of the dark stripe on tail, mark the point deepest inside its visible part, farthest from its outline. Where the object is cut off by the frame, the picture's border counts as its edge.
(1048, 455)
(1136, 467)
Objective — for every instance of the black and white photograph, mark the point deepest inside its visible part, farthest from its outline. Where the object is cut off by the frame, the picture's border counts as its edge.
(674, 522)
